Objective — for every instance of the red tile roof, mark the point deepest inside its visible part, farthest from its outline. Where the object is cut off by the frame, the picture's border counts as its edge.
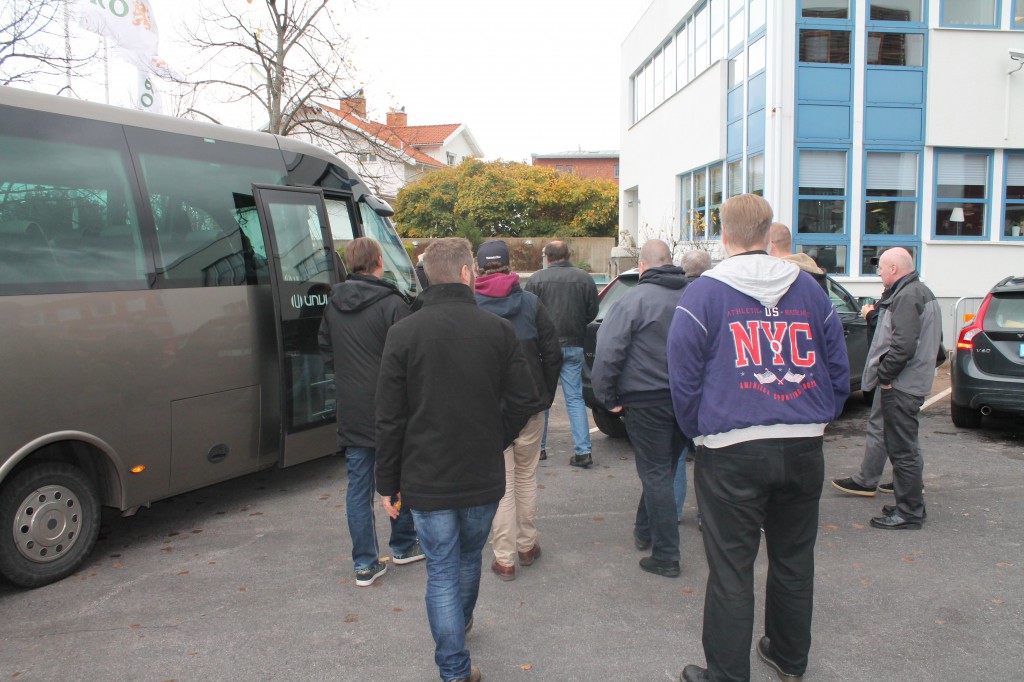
(392, 137)
(427, 135)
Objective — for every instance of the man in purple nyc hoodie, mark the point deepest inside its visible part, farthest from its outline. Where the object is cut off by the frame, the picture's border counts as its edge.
(757, 369)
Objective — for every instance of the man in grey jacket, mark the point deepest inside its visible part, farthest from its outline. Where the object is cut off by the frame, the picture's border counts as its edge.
(901, 364)
(631, 372)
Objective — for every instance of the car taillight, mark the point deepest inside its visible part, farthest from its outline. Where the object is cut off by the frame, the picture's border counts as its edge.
(967, 334)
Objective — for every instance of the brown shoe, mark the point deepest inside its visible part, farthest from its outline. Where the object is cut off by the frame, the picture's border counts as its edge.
(474, 675)
(506, 573)
(528, 557)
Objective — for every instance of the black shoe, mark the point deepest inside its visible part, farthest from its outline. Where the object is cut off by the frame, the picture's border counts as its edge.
(890, 509)
(668, 569)
(894, 521)
(641, 544)
(412, 555)
(693, 673)
(765, 654)
(848, 485)
(543, 453)
(366, 576)
(583, 461)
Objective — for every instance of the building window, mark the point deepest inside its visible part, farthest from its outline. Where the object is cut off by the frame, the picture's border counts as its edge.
(897, 10)
(452, 158)
(559, 168)
(366, 157)
(616, 171)
(717, 14)
(756, 56)
(698, 221)
(737, 31)
(755, 174)
(700, 41)
(961, 193)
(1013, 212)
(895, 49)
(818, 46)
(756, 16)
(825, 9)
(983, 13)
(715, 198)
(699, 208)
(735, 172)
(821, 192)
(830, 257)
(682, 47)
(870, 252)
(686, 206)
(891, 195)
(669, 53)
(568, 169)
(1017, 18)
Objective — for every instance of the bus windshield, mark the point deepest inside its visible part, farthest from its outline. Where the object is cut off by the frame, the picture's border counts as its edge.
(397, 267)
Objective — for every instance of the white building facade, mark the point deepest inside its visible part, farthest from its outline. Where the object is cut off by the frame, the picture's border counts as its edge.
(865, 123)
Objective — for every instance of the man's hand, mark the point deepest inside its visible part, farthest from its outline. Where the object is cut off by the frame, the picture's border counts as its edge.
(385, 501)
(865, 309)
(885, 387)
(616, 410)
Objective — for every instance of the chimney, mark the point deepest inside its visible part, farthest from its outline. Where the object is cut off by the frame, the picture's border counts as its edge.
(397, 118)
(354, 103)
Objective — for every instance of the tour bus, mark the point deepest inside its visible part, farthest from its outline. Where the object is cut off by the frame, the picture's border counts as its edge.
(162, 282)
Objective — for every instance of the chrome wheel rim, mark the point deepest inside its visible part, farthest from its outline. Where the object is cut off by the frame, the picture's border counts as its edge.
(48, 523)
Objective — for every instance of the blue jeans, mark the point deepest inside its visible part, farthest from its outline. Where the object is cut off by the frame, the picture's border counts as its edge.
(657, 442)
(572, 390)
(453, 540)
(679, 483)
(359, 510)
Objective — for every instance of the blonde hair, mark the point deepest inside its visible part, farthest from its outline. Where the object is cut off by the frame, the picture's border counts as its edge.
(745, 220)
(444, 258)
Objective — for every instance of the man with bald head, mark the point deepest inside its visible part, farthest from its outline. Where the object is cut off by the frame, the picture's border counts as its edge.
(631, 375)
(901, 364)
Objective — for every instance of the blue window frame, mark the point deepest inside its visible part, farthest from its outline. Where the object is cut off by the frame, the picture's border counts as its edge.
(822, 191)
(702, 192)
(970, 13)
(892, 202)
(1013, 197)
(963, 180)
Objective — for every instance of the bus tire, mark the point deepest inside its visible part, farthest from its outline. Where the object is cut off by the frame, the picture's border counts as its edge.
(49, 522)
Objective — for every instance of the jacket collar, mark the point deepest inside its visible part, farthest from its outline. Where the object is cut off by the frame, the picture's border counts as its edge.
(447, 293)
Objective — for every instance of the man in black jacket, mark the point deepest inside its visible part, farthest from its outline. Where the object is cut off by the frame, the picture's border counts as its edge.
(454, 391)
(570, 296)
(631, 372)
(497, 291)
(355, 324)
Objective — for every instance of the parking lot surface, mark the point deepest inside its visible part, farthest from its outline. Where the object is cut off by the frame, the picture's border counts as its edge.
(251, 580)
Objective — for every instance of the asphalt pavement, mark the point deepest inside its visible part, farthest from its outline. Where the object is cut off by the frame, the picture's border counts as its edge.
(251, 580)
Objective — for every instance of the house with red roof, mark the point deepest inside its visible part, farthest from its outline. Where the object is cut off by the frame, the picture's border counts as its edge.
(391, 154)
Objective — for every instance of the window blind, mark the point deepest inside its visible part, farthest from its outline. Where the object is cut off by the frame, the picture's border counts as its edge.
(824, 169)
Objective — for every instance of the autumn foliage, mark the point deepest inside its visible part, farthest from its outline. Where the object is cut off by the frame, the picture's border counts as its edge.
(504, 199)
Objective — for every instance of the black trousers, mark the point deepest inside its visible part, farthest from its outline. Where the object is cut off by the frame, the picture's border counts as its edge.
(774, 484)
(901, 417)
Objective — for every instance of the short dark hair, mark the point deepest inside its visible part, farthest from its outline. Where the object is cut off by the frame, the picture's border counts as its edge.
(444, 258)
(362, 254)
(556, 251)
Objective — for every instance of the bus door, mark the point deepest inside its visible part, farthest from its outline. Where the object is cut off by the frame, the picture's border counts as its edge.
(302, 271)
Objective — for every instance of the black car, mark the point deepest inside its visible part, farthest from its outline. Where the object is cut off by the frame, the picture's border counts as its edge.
(848, 307)
(987, 371)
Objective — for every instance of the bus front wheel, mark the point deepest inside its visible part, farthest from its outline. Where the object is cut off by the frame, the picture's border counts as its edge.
(49, 522)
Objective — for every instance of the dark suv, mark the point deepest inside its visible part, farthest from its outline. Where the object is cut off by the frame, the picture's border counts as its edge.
(987, 371)
(848, 307)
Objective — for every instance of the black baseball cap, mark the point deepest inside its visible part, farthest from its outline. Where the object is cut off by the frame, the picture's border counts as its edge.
(492, 252)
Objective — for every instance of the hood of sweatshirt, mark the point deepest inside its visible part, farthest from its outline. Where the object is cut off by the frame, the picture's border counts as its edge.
(804, 262)
(669, 276)
(497, 285)
(757, 275)
(360, 291)
(500, 294)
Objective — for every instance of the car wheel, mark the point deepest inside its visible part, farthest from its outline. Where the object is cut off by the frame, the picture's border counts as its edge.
(609, 424)
(49, 522)
(964, 417)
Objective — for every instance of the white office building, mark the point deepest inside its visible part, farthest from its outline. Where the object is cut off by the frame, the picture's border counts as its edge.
(866, 124)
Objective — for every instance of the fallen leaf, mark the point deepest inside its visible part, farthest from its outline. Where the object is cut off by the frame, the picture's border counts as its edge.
(325, 496)
(540, 486)
(597, 543)
(256, 514)
(686, 590)
(118, 565)
(338, 506)
(1003, 564)
(940, 622)
(173, 533)
(135, 625)
(196, 530)
(212, 563)
(166, 550)
(857, 564)
(526, 666)
(343, 581)
(243, 588)
(998, 601)
(865, 581)
(597, 518)
(193, 653)
(918, 552)
(859, 526)
(908, 559)
(830, 526)
(181, 573)
(397, 610)
(351, 618)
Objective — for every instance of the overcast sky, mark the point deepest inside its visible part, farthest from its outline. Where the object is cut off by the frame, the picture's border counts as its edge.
(529, 76)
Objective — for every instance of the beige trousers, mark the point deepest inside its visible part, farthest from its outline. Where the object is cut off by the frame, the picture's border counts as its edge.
(515, 524)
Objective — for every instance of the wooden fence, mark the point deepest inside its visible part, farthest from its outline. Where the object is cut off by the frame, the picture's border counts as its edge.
(591, 253)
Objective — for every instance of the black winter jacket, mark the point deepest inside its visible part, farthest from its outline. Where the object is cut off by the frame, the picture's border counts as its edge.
(454, 390)
(570, 296)
(501, 295)
(356, 322)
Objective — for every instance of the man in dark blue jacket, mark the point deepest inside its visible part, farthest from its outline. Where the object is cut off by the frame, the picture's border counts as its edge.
(355, 325)
(758, 368)
(631, 374)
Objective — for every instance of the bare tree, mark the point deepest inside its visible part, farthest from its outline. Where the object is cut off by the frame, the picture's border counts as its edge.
(33, 41)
